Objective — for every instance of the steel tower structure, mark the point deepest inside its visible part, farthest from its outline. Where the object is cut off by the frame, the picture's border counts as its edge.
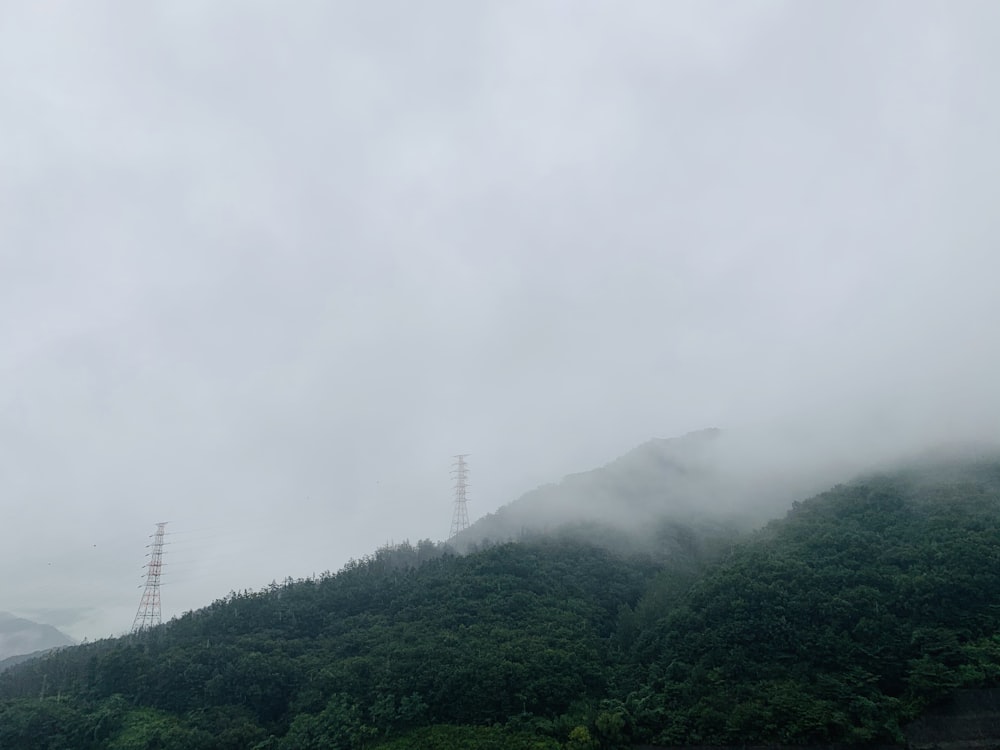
(148, 615)
(460, 518)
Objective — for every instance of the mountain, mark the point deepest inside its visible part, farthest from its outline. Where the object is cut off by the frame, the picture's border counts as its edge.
(709, 478)
(842, 621)
(19, 637)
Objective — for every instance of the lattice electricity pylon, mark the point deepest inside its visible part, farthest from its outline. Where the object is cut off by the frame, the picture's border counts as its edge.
(149, 615)
(460, 518)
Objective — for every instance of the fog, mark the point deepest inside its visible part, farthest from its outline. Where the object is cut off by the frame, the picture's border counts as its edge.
(264, 268)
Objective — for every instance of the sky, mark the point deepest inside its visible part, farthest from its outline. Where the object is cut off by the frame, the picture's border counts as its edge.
(266, 267)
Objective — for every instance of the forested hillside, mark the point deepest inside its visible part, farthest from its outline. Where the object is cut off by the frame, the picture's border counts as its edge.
(388, 644)
(837, 623)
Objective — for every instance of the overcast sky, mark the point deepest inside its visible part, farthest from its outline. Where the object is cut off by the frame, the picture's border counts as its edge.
(265, 267)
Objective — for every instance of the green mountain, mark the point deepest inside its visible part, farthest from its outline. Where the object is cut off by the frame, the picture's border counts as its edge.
(840, 622)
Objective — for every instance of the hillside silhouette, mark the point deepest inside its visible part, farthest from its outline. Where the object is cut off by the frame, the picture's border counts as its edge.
(839, 622)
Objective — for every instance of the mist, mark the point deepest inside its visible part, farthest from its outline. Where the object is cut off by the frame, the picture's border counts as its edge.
(264, 270)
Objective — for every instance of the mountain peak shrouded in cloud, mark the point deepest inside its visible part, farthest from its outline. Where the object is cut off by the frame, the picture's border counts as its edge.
(711, 475)
(699, 476)
(262, 268)
(859, 618)
(19, 636)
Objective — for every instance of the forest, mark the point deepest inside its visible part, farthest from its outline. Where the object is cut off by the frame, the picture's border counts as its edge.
(838, 623)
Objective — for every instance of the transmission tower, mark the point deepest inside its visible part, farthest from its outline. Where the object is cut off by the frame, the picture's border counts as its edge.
(148, 615)
(460, 518)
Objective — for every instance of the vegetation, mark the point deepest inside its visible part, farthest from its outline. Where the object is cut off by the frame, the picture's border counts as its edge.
(838, 623)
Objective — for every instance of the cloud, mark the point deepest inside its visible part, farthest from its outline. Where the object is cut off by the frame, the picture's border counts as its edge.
(262, 271)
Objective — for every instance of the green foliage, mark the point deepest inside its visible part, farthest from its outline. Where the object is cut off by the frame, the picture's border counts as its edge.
(442, 737)
(836, 624)
(862, 607)
(148, 729)
(45, 724)
(339, 726)
(401, 640)
(580, 739)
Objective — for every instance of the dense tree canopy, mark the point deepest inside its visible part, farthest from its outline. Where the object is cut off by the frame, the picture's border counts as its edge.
(838, 623)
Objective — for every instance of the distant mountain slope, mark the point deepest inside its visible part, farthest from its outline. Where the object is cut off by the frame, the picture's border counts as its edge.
(12, 661)
(19, 636)
(702, 477)
(837, 624)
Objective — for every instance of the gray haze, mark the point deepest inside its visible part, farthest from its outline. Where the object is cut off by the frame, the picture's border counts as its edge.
(19, 636)
(264, 267)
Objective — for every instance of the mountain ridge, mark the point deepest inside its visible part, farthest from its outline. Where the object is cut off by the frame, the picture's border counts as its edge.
(702, 477)
(839, 622)
(20, 637)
